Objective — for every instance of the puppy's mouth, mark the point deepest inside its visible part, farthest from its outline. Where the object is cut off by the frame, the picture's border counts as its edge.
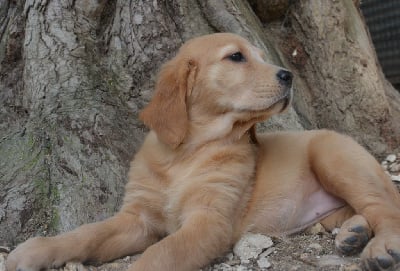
(287, 100)
(284, 99)
(277, 104)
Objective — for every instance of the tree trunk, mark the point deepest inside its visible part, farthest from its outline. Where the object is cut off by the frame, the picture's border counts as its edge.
(339, 81)
(74, 75)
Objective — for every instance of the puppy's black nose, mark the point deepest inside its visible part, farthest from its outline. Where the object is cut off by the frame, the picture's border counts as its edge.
(285, 77)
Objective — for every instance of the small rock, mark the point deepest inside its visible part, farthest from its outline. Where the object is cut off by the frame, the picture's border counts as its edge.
(251, 245)
(335, 231)
(263, 262)
(229, 256)
(391, 158)
(74, 267)
(316, 229)
(395, 178)
(394, 167)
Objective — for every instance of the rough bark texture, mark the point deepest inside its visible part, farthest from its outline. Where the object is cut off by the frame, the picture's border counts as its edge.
(339, 81)
(74, 76)
(73, 80)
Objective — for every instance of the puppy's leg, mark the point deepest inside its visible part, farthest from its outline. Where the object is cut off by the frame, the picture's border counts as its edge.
(203, 236)
(117, 236)
(348, 171)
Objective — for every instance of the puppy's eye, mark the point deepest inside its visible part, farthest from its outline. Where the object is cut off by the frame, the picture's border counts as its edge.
(237, 57)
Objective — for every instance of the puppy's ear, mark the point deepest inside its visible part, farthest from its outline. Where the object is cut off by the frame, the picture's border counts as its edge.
(166, 113)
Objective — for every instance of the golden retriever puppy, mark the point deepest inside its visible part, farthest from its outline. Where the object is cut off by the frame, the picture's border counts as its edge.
(203, 177)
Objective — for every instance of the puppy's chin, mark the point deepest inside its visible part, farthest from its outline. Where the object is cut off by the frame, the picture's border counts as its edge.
(281, 104)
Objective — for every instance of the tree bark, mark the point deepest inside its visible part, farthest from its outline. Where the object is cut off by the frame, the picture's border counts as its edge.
(71, 91)
(75, 74)
(339, 82)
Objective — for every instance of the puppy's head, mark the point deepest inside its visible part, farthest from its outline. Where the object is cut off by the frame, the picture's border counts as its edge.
(215, 77)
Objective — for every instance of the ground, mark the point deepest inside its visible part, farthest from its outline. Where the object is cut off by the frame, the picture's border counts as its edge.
(306, 251)
(310, 250)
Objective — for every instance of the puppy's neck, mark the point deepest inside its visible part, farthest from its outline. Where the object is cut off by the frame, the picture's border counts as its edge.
(203, 130)
(225, 129)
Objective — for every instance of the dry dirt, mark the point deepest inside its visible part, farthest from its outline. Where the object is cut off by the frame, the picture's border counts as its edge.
(303, 251)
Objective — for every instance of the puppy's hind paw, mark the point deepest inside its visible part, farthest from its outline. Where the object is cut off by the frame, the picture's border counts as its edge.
(382, 253)
(389, 262)
(353, 236)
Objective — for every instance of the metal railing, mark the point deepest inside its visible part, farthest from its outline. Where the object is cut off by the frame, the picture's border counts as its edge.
(383, 20)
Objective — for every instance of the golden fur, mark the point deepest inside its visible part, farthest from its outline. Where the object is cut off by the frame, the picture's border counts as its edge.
(202, 177)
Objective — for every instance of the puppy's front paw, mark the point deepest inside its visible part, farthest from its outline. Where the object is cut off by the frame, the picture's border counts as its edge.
(353, 235)
(33, 255)
(382, 253)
